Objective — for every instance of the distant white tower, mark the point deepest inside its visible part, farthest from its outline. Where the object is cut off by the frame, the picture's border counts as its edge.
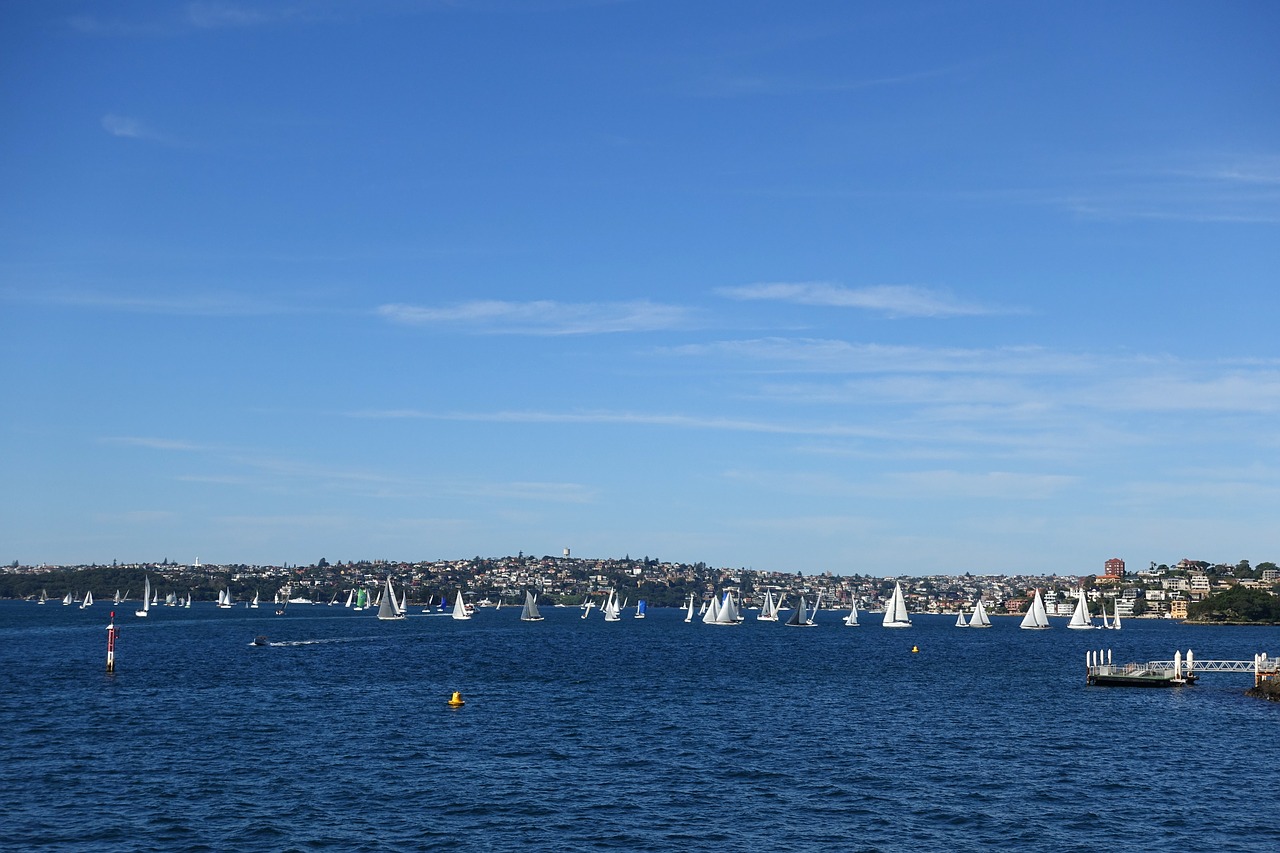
(566, 553)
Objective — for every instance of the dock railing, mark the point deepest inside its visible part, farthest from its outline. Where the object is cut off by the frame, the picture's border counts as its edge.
(1183, 669)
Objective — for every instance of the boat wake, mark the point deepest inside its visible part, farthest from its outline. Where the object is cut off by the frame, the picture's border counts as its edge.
(262, 641)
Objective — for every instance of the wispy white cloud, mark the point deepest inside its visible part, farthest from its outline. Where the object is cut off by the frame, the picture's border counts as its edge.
(125, 127)
(158, 443)
(1222, 188)
(218, 15)
(543, 317)
(177, 20)
(818, 355)
(728, 85)
(678, 421)
(266, 472)
(1003, 485)
(208, 304)
(889, 299)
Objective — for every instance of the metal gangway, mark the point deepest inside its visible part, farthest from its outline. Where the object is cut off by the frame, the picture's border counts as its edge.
(1262, 666)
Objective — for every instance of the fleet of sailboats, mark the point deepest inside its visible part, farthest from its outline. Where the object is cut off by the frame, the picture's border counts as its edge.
(721, 609)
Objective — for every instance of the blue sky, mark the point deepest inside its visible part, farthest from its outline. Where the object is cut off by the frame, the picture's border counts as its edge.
(892, 288)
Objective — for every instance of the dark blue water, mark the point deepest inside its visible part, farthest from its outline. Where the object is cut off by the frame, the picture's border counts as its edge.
(638, 735)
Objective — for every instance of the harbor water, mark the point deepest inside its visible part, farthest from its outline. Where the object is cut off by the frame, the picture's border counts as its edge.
(645, 734)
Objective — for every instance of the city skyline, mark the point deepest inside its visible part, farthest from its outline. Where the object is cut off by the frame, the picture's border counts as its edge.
(868, 289)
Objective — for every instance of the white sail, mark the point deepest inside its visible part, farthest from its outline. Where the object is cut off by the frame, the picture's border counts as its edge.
(852, 619)
(727, 612)
(612, 611)
(711, 612)
(254, 603)
(769, 609)
(979, 619)
(1115, 616)
(88, 600)
(117, 599)
(800, 618)
(460, 608)
(146, 597)
(404, 601)
(351, 596)
(390, 607)
(67, 599)
(960, 623)
(895, 614)
(530, 612)
(187, 606)
(1080, 618)
(688, 616)
(1036, 617)
(44, 596)
(586, 610)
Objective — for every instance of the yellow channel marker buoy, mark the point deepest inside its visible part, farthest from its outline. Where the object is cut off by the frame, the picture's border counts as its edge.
(456, 701)
(914, 649)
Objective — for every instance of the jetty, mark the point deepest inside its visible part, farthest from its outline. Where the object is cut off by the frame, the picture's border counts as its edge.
(1100, 671)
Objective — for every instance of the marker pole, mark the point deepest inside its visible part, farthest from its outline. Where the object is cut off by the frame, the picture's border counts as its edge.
(111, 644)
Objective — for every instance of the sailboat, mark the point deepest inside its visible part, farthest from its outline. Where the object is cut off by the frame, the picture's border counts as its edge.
(187, 606)
(362, 599)
(146, 597)
(88, 600)
(711, 611)
(960, 623)
(688, 616)
(390, 607)
(118, 598)
(641, 609)
(1115, 616)
(895, 614)
(254, 603)
(800, 618)
(979, 619)
(224, 599)
(727, 612)
(852, 619)
(612, 610)
(1106, 623)
(1037, 617)
(404, 600)
(44, 596)
(768, 610)
(351, 596)
(530, 612)
(1080, 619)
(67, 599)
(460, 608)
(586, 609)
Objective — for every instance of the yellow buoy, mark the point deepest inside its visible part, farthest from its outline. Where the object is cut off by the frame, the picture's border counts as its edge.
(914, 649)
(456, 701)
